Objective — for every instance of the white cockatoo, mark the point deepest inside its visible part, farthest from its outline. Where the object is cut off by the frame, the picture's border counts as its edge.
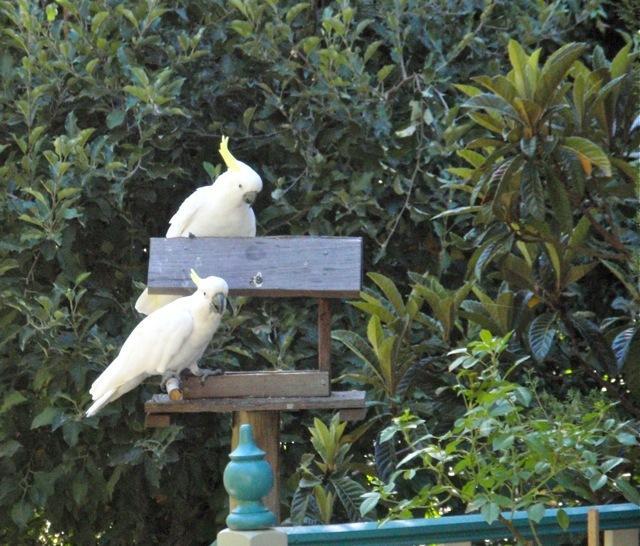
(222, 209)
(165, 343)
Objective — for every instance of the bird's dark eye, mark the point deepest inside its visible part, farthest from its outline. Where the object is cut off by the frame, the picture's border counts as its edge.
(205, 293)
(239, 185)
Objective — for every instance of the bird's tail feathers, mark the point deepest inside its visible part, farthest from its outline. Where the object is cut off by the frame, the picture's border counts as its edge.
(100, 403)
(105, 380)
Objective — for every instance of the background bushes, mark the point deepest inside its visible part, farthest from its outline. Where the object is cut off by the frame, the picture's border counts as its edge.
(110, 114)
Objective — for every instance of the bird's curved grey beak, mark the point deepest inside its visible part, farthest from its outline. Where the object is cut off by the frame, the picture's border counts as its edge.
(250, 197)
(219, 303)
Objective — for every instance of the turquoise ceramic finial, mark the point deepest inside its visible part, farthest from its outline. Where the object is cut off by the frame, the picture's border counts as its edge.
(248, 478)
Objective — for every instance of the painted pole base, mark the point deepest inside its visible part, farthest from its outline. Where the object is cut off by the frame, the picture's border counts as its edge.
(250, 516)
(268, 537)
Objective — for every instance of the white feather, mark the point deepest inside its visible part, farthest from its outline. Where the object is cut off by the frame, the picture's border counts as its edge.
(171, 339)
(218, 210)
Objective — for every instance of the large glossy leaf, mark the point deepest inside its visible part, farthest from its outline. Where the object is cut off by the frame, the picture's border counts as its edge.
(506, 193)
(588, 151)
(629, 491)
(374, 306)
(410, 377)
(375, 335)
(475, 312)
(498, 314)
(385, 459)
(504, 311)
(517, 271)
(492, 103)
(576, 272)
(626, 347)
(499, 85)
(596, 342)
(578, 237)
(493, 123)
(390, 290)
(554, 252)
(349, 493)
(386, 363)
(624, 344)
(532, 193)
(518, 59)
(554, 70)
(485, 255)
(458, 211)
(359, 347)
(542, 333)
(560, 203)
(621, 61)
(624, 278)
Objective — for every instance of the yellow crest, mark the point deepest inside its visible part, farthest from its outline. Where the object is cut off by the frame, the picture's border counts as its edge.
(195, 277)
(230, 161)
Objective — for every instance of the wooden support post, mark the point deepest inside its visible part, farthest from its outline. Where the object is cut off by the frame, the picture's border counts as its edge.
(266, 432)
(354, 414)
(593, 527)
(622, 537)
(157, 420)
(324, 336)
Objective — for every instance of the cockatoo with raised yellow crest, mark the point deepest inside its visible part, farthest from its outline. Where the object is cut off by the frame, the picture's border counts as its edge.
(166, 342)
(222, 209)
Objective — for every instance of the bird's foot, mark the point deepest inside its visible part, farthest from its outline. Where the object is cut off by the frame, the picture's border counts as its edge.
(191, 236)
(203, 373)
(166, 377)
(172, 385)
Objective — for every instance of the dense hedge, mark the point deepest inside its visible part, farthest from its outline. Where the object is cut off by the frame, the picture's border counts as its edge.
(110, 114)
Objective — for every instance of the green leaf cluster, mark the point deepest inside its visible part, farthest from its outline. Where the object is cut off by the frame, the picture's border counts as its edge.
(539, 245)
(514, 447)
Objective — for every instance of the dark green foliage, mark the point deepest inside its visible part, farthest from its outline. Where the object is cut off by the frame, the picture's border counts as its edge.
(546, 206)
(110, 114)
(326, 482)
(515, 448)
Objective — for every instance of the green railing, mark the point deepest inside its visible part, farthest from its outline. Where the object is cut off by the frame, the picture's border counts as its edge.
(460, 528)
(248, 477)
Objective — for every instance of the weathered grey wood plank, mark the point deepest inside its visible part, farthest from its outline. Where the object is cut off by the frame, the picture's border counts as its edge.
(161, 403)
(284, 383)
(327, 267)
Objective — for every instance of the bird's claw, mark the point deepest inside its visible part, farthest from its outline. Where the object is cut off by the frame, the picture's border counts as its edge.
(203, 373)
(191, 236)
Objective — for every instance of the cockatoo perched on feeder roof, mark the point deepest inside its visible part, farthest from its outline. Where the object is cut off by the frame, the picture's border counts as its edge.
(165, 343)
(222, 209)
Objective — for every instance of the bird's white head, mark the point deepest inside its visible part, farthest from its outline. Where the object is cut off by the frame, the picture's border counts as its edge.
(212, 290)
(240, 183)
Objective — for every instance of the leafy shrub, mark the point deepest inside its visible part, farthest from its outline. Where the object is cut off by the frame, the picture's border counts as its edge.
(327, 488)
(543, 195)
(544, 210)
(514, 448)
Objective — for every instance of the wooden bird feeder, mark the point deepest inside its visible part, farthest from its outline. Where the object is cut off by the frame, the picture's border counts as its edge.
(323, 268)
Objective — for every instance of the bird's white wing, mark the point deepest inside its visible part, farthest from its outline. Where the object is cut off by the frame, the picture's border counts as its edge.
(148, 303)
(148, 350)
(179, 223)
